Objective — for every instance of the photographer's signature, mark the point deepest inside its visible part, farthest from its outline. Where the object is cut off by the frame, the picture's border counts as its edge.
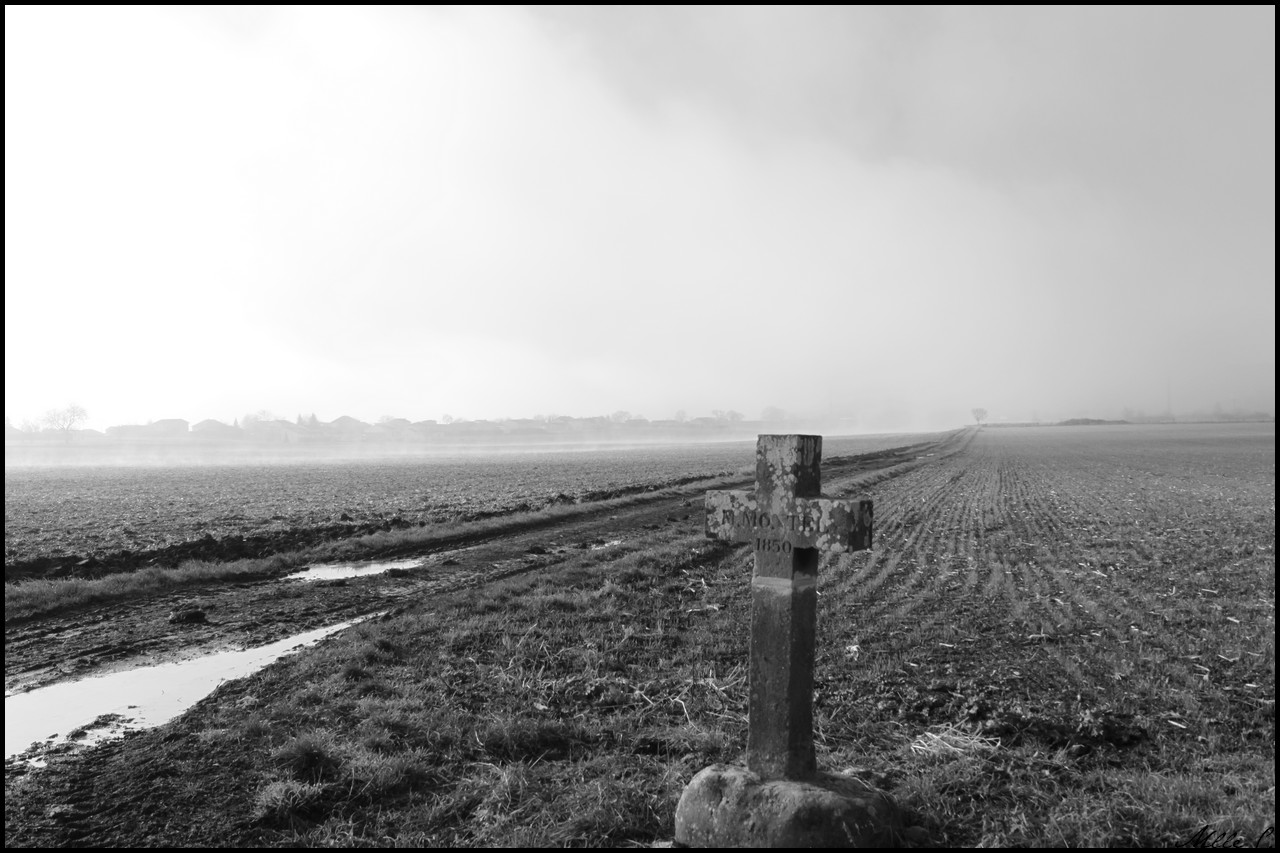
(1207, 836)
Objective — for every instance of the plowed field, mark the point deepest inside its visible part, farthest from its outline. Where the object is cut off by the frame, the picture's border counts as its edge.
(1062, 637)
(86, 521)
(1050, 546)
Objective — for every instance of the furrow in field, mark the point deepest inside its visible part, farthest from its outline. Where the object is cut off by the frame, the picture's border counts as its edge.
(995, 521)
(1076, 589)
(1041, 492)
(1046, 607)
(1160, 587)
(1117, 578)
(933, 564)
(968, 536)
(1074, 572)
(881, 565)
(946, 515)
(901, 574)
(936, 552)
(868, 572)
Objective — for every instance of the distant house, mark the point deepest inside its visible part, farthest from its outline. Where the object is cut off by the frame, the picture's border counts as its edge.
(346, 427)
(391, 429)
(474, 428)
(128, 432)
(168, 426)
(395, 423)
(277, 431)
(210, 428)
(524, 428)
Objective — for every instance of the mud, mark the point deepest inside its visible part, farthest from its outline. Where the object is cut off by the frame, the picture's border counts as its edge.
(91, 710)
(163, 628)
(254, 612)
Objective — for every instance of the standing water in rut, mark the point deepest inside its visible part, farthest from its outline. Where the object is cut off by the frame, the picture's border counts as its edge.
(133, 699)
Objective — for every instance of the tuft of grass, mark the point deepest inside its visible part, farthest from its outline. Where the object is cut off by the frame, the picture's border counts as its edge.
(953, 740)
(289, 803)
(355, 672)
(43, 596)
(531, 740)
(310, 757)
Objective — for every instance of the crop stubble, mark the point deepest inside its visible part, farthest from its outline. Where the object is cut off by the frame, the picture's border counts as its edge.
(1055, 536)
(1097, 603)
(1090, 588)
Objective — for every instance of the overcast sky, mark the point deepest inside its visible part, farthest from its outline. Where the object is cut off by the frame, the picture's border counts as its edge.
(889, 214)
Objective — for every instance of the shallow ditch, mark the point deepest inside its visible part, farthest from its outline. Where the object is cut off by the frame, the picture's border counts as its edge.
(91, 710)
(342, 571)
(87, 711)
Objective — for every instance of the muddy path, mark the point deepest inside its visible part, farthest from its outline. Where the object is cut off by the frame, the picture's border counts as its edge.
(1029, 639)
(199, 620)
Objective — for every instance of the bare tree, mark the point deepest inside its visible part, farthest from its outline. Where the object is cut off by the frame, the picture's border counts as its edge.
(66, 419)
(27, 425)
(980, 415)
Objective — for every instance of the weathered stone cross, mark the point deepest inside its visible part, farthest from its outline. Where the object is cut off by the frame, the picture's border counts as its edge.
(780, 799)
(788, 523)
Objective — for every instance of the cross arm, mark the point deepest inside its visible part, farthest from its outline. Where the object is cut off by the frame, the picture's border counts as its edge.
(828, 524)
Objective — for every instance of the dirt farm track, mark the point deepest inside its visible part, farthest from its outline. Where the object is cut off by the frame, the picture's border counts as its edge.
(1062, 636)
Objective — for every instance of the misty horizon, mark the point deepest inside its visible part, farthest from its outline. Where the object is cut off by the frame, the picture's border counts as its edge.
(771, 416)
(871, 213)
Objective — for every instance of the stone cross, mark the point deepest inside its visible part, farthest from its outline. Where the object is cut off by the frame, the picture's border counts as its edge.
(788, 523)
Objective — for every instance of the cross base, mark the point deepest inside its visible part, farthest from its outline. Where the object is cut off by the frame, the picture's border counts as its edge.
(726, 806)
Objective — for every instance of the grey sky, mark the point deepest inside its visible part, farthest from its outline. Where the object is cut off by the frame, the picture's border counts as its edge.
(889, 214)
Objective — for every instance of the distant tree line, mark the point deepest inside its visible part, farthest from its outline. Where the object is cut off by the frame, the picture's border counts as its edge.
(266, 428)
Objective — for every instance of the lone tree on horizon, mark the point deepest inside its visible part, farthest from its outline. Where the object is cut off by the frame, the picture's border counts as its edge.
(65, 420)
(980, 415)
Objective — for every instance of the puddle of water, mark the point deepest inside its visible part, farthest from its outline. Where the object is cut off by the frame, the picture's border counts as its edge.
(142, 697)
(351, 570)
